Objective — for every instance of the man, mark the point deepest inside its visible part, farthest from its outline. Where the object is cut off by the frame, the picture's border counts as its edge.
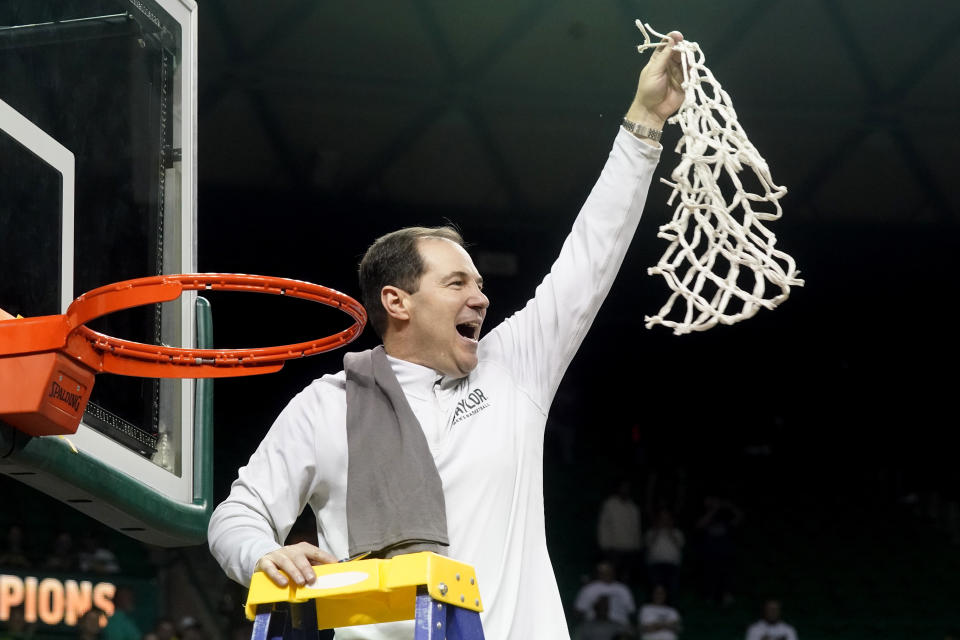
(664, 552)
(657, 619)
(621, 606)
(89, 624)
(771, 627)
(479, 406)
(600, 626)
(618, 532)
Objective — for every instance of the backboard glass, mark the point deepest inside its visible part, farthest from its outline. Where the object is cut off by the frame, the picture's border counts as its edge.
(97, 185)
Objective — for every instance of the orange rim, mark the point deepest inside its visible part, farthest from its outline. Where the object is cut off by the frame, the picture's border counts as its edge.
(141, 291)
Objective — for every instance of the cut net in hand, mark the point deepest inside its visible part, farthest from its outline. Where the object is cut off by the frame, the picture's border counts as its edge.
(720, 255)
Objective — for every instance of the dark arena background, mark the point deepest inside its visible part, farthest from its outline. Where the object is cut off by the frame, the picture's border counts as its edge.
(826, 423)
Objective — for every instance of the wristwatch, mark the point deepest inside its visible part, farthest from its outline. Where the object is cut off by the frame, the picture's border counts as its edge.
(642, 131)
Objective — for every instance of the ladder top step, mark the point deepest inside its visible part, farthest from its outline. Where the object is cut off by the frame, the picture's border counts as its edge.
(446, 580)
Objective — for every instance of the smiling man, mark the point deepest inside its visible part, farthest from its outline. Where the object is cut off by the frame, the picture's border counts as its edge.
(430, 311)
(434, 441)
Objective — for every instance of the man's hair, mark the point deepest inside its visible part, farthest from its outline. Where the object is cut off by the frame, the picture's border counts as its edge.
(394, 259)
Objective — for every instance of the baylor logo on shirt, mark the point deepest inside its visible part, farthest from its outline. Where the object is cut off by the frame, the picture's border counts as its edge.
(474, 403)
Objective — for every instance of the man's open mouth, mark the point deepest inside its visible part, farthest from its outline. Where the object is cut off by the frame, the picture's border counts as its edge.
(470, 330)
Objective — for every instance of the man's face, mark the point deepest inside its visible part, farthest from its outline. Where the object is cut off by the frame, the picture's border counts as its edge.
(771, 611)
(605, 572)
(447, 310)
(659, 594)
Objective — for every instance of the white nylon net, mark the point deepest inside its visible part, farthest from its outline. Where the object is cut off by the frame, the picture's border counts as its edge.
(720, 255)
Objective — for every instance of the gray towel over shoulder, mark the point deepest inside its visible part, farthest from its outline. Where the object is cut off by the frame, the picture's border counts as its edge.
(394, 493)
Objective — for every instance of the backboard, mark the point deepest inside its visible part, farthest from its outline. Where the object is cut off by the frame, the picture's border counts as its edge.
(97, 185)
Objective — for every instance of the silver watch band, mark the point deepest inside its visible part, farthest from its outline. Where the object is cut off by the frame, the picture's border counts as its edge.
(643, 131)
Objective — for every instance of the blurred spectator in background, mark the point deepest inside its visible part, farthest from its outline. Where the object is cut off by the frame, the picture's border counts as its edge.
(62, 557)
(195, 632)
(16, 627)
(716, 527)
(664, 542)
(165, 629)
(658, 620)
(95, 558)
(600, 626)
(771, 627)
(229, 608)
(13, 556)
(621, 605)
(88, 626)
(618, 532)
(120, 626)
(191, 629)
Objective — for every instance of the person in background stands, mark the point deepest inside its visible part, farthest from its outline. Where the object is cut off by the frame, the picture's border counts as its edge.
(605, 585)
(90, 624)
(770, 626)
(601, 627)
(658, 620)
(618, 532)
(717, 526)
(664, 542)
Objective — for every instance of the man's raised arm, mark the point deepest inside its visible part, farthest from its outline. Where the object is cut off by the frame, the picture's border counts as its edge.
(538, 342)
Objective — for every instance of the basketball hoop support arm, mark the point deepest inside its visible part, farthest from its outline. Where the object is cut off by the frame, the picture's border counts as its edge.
(137, 510)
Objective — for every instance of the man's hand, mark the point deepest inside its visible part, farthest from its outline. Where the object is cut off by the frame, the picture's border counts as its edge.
(296, 561)
(659, 91)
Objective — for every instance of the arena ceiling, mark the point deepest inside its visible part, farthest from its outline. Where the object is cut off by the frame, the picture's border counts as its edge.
(502, 111)
(325, 123)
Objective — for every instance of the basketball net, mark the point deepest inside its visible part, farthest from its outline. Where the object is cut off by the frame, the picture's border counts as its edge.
(716, 236)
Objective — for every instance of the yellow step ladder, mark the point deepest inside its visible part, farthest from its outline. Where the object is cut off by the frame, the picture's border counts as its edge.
(440, 594)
